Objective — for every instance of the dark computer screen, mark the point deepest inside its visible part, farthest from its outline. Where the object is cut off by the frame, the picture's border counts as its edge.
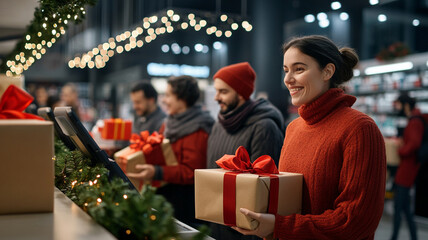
(74, 129)
(47, 114)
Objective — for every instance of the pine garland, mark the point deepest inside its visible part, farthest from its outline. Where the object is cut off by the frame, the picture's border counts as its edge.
(123, 212)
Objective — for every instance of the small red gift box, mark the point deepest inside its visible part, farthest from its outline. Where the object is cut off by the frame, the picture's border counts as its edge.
(117, 129)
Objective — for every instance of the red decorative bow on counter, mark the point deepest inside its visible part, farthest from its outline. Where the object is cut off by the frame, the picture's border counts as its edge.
(145, 142)
(240, 163)
(13, 102)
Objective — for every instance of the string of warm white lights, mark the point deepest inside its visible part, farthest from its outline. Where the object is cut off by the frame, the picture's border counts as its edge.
(151, 28)
(50, 21)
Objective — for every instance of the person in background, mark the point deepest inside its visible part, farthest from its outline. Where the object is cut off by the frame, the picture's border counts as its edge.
(41, 97)
(148, 115)
(339, 150)
(53, 101)
(70, 97)
(187, 127)
(255, 124)
(409, 166)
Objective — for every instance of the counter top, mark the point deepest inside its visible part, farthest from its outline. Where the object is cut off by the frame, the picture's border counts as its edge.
(67, 222)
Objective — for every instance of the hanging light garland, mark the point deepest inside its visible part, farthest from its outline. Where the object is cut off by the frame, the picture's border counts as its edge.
(152, 27)
(50, 22)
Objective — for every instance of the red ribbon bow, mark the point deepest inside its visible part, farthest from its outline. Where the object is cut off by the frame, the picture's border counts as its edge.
(240, 163)
(145, 142)
(13, 102)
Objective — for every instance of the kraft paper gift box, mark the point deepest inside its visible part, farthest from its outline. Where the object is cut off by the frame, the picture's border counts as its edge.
(391, 149)
(117, 129)
(27, 166)
(216, 201)
(142, 151)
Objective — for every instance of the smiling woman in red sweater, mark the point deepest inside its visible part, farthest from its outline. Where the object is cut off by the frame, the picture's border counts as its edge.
(339, 150)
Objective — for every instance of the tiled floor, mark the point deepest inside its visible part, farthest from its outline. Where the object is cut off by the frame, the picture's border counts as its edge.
(384, 229)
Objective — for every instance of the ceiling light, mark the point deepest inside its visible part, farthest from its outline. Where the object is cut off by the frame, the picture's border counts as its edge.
(382, 18)
(217, 45)
(198, 47)
(415, 22)
(321, 16)
(176, 49)
(185, 50)
(205, 48)
(373, 2)
(309, 18)
(344, 16)
(336, 5)
(389, 68)
(324, 23)
(356, 72)
(165, 48)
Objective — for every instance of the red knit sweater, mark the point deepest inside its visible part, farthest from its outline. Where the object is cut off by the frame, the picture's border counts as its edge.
(191, 154)
(341, 154)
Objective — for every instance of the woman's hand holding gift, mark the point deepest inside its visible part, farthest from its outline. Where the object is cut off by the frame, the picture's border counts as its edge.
(266, 224)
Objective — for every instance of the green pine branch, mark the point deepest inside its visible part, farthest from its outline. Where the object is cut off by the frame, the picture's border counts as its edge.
(124, 212)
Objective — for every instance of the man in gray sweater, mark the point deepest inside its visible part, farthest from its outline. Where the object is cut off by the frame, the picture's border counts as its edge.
(255, 124)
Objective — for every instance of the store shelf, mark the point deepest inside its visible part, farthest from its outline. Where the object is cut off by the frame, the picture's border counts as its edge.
(376, 93)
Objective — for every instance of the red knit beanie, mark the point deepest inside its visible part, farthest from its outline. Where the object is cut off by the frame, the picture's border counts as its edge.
(240, 77)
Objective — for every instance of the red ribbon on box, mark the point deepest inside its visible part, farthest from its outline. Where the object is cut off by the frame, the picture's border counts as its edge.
(240, 163)
(145, 142)
(150, 146)
(13, 102)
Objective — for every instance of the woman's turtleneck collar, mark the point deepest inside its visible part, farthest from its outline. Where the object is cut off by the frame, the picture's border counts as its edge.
(325, 104)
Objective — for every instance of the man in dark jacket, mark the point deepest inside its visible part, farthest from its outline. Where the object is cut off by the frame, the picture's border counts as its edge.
(256, 125)
(148, 115)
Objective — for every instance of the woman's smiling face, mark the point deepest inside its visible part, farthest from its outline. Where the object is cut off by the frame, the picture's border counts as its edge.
(304, 78)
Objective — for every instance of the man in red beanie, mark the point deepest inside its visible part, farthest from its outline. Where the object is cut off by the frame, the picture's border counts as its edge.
(255, 124)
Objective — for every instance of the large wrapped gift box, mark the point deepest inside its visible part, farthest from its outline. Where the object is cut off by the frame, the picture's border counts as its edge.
(27, 166)
(145, 149)
(216, 201)
(117, 129)
(391, 148)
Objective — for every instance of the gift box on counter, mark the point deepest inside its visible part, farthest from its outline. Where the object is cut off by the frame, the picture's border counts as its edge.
(27, 166)
(391, 149)
(146, 149)
(117, 129)
(259, 187)
(104, 144)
